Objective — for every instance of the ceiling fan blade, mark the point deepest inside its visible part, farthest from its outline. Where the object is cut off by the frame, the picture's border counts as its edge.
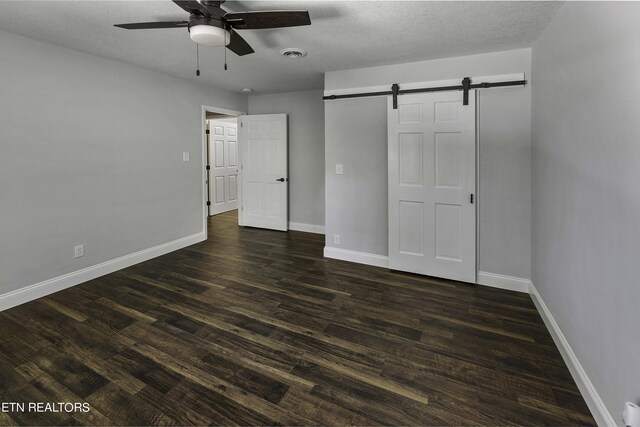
(152, 25)
(238, 45)
(268, 19)
(193, 6)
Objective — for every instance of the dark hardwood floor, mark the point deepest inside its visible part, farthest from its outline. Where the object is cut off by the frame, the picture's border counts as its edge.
(256, 327)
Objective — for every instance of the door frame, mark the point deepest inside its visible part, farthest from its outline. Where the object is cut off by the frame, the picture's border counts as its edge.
(227, 123)
(204, 177)
(477, 189)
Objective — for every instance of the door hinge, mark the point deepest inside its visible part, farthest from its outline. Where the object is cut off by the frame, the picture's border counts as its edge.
(241, 124)
(207, 131)
(208, 167)
(208, 203)
(471, 198)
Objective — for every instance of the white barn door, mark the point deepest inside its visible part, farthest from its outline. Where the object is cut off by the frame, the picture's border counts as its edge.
(223, 163)
(432, 185)
(264, 173)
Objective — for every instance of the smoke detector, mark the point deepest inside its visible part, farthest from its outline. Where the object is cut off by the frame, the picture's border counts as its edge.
(293, 52)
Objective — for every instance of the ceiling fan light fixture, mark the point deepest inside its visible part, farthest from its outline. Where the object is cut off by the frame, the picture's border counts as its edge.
(208, 35)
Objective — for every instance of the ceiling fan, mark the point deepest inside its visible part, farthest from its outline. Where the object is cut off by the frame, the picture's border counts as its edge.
(210, 25)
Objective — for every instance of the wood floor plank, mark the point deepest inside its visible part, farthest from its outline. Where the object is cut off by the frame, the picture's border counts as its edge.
(168, 404)
(127, 409)
(240, 398)
(254, 382)
(71, 372)
(220, 409)
(255, 327)
(50, 386)
(321, 411)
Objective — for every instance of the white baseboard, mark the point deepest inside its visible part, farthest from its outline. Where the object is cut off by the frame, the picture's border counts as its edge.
(592, 398)
(39, 290)
(309, 228)
(355, 256)
(503, 282)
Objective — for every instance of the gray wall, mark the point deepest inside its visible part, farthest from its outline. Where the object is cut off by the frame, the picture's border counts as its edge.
(91, 152)
(586, 189)
(356, 202)
(306, 150)
(356, 136)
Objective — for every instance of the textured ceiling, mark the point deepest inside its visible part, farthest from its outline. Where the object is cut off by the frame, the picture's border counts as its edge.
(343, 35)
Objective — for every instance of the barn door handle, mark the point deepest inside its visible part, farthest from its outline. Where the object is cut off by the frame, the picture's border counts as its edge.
(280, 179)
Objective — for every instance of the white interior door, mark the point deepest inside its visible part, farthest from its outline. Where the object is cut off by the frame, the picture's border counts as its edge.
(432, 182)
(223, 163)
(265, 183)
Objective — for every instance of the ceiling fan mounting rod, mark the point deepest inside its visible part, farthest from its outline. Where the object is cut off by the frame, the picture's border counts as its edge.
(195, 19)
(214, 3)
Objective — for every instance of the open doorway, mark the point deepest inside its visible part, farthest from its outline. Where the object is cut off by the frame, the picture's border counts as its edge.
(222, 163)
(221, 160)
(245, 167)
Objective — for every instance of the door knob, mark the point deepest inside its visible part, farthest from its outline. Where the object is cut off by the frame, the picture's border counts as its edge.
(280, 179)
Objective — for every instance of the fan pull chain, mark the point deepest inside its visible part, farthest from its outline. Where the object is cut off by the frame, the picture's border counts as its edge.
(225, 56)
(197, 59)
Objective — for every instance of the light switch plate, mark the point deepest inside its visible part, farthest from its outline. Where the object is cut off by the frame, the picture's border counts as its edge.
(78, 251)
(339, 169)
(185, 156)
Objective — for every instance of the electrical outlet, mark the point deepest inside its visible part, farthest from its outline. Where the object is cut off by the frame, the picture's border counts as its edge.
(185, 156)
(631, 415)
(78, 251)
(339, 169)
(336, 239)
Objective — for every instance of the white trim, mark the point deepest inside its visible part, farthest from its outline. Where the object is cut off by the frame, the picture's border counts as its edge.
(355, 256)
(203, 132)
(205, 187)
(589, 393)
(418, 85)
(240, 171)
(39, 290)
(309, 228)
(504, 282)
(224, 111)
(477, 189)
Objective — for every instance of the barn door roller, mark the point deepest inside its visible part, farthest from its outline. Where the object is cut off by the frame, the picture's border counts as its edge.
(395, 91)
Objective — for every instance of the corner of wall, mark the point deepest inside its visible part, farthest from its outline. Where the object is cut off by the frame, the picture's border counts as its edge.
(587, 389)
